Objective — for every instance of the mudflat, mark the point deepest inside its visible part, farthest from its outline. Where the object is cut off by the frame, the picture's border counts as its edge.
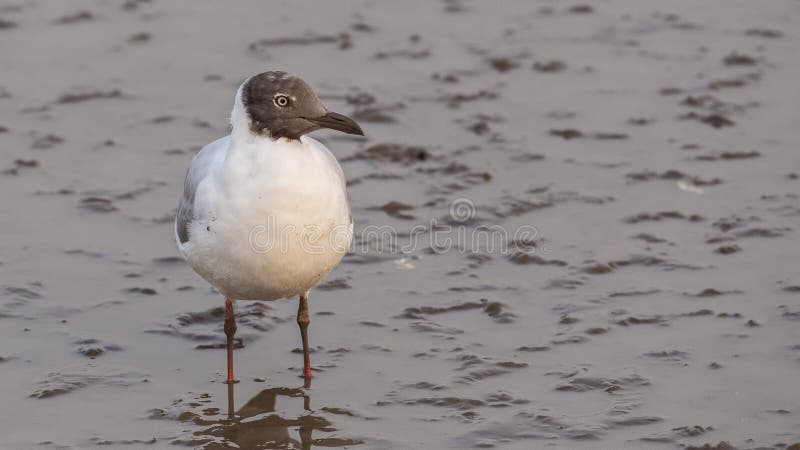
(576, 226)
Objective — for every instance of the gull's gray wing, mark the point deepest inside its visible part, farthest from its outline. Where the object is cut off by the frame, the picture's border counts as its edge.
(198, 170)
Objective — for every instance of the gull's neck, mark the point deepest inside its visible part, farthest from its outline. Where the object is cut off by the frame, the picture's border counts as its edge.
(240, 122)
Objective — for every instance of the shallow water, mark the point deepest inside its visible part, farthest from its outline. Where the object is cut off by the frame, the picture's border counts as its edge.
(640, 157)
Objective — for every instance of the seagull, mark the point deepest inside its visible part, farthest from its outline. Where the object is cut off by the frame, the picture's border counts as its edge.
(264, 212)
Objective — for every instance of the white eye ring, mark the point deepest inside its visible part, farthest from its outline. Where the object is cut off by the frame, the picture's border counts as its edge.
(281, 100)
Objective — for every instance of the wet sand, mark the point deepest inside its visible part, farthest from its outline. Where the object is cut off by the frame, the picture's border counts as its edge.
(653, 146)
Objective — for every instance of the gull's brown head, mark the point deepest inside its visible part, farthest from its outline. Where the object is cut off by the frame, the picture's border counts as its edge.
(281, 105)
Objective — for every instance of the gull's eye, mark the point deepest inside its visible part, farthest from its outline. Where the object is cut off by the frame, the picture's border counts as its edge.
(281, 100)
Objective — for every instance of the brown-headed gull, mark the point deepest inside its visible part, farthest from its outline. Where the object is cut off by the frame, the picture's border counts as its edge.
(264, 212)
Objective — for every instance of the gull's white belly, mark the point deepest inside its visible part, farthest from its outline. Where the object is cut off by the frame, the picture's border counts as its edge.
(271, 222)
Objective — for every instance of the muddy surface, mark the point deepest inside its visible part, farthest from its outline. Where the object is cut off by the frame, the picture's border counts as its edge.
(640, 157)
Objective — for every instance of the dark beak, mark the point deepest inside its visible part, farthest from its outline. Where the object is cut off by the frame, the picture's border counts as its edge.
(337, 122)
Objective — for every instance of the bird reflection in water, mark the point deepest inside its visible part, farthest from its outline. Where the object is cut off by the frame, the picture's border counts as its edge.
(256, 425)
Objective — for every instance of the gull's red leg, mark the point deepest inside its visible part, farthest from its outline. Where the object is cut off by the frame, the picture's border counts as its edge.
(230, 331)
(303, 321)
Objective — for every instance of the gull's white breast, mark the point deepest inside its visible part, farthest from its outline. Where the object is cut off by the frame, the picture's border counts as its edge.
(269, 219)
